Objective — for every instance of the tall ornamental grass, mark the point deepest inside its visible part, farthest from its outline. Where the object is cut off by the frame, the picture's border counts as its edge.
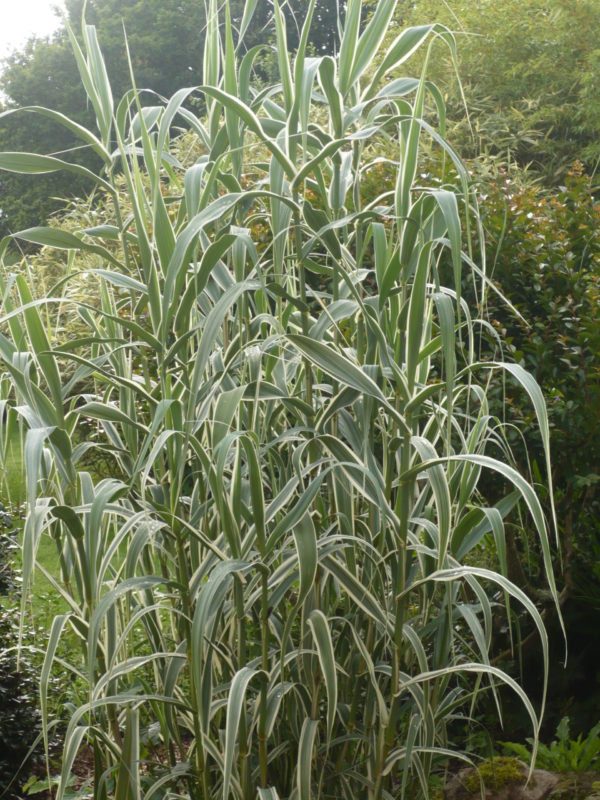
(272, 587)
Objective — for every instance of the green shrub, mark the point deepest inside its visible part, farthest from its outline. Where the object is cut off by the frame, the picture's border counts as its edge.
(19, 714)
(529, 72)
(547, 258)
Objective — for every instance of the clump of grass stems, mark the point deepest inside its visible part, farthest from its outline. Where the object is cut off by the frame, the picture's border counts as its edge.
(274, 574)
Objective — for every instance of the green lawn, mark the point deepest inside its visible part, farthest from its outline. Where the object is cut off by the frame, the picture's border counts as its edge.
(45, 603)
(12, 474)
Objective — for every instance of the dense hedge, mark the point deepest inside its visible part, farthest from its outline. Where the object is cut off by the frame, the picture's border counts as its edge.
(548, 260)
(19, 717)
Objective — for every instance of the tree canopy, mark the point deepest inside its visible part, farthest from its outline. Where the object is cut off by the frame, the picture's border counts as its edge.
(159, 33)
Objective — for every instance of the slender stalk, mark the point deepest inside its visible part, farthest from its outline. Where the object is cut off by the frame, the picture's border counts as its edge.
(301, 275)
(262, 724)
(184, 582)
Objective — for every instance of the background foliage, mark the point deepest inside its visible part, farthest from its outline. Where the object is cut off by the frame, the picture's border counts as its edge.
(529, 71)
(19, 714)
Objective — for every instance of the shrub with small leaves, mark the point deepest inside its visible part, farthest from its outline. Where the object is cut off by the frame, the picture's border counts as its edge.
(19, 714)
(547, 259)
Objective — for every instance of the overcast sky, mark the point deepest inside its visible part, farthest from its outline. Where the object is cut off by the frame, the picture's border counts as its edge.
(20, 19)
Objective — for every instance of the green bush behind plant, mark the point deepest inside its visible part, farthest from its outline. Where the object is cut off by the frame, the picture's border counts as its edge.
(528, 70)
(19, 713)
(548, 260)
